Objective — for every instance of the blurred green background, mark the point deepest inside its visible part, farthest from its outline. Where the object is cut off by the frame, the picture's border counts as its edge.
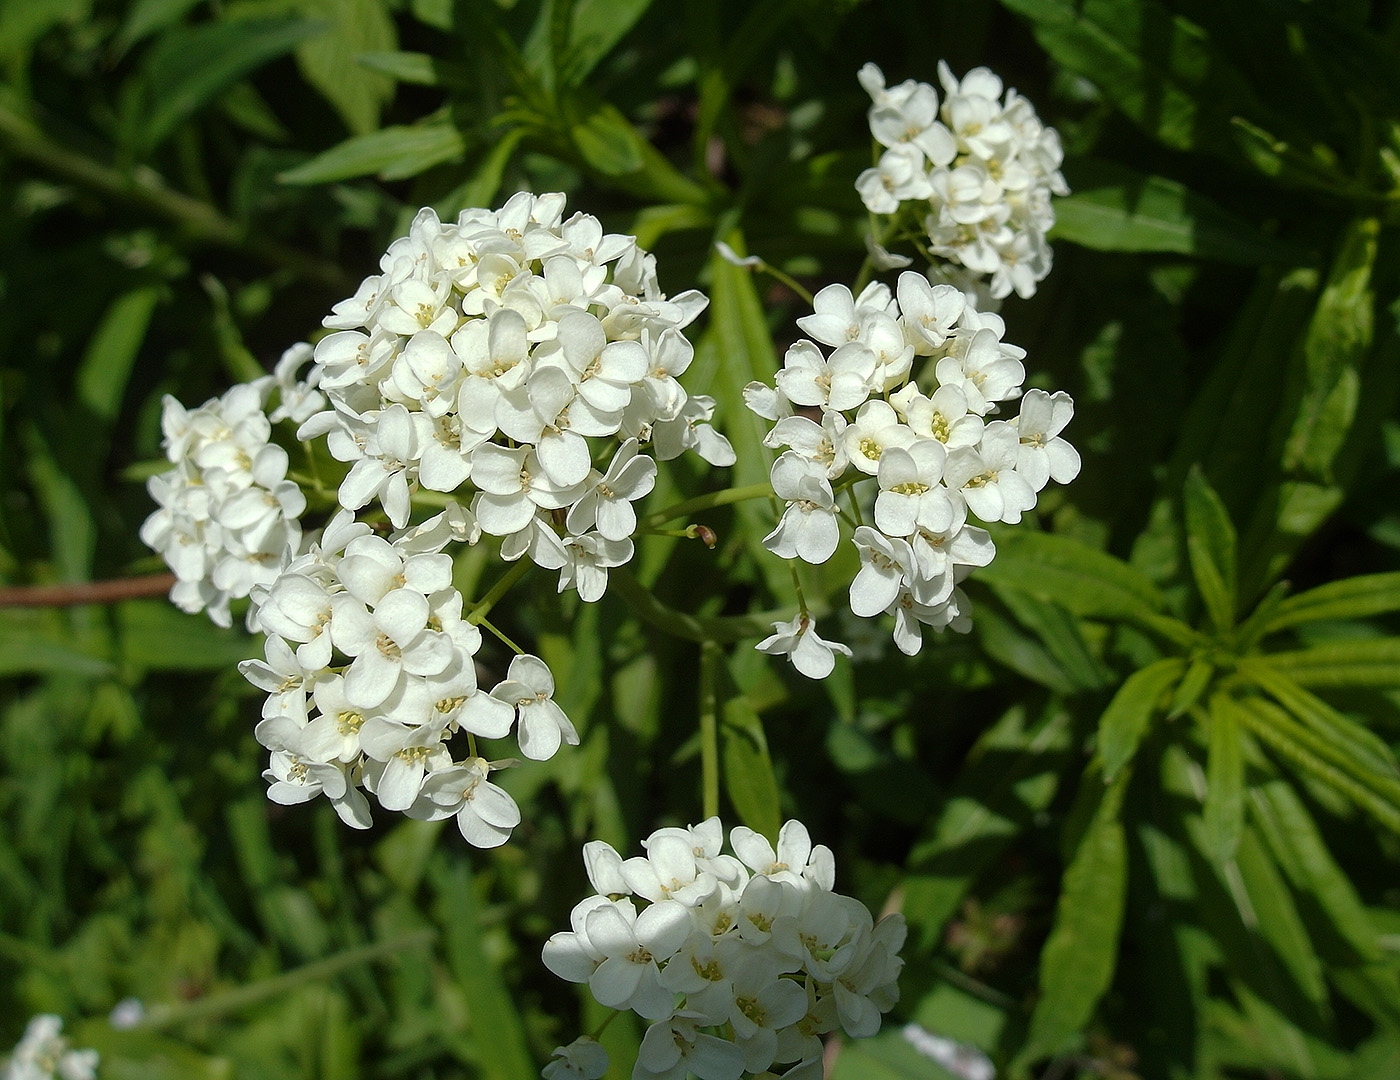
(1143, 820)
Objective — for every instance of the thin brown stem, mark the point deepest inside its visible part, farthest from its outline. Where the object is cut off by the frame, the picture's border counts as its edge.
(85, 592)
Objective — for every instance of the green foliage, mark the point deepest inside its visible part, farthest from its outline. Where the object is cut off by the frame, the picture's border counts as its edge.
(1143, 821)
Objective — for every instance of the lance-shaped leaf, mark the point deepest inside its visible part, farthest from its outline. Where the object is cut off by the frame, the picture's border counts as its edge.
(1351, 598)
(1082, 580)
(1224, 808)
(1367, 662)
(1078, 961)
(1129, 714)
(1211, 544)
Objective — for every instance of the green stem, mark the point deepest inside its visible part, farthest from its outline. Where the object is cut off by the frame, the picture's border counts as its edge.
(797, 587)
(719, 629)
(512, 646)
(144, 188)
(709, 729)
(482, 607)
(787, 279)
(707, 502)
(166, 1016)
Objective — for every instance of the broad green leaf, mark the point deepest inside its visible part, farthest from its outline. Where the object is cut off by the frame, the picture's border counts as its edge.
(1351, 598)
(1211, 544)
(190, 66)
(1113, 208)
(1181, 89)
(35, 641)
(1010, 776)
(1224, 806)
(112, 349)
(392, 153)
(1129, 714)
(1079, 957)
(1298, 847)
(1366, 662)
(1082, 580)
(748, 770)
(353, 27)
(503, 1051)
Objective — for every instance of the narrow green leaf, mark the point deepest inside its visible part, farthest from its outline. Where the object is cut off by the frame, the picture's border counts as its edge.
(1010, 776)
(1211, 544)
(607, 142)
(748, 770)
(190, 66)
(23, 22)
(417, 68)
(1128, 715)
(1366, 662)
(1078, 961)
(111, 352)
(145, 17)
(1330, 724)
(1113, 208)
(595, 28)
(392, 153)
(1063, 639)
(1192, 686)
(153, 635)
(35, 641)
(1351, 598)
(1279, 923)
(1298, 847)
(1224, 806)
(1082, 580)
(503, 1051)
(1286, 163)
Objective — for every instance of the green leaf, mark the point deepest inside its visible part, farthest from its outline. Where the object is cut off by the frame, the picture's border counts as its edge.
(145, 17)
(1326, 721)
(1128, 715)
(503, 1051)
(23, 22)
(1182, 90)
(154, 636)
(35, 641)
(1351, 598)
(1079, 957)
(417, 68)
(748, 770)
(1211, 543)
(1192, 686)
(596, 26)
(392, 153)
(190, 66)
(1298, 847)
(1367, 662)
(607, 141)
(1062, 637)
(1010, 777)
(1082, 580)
(112, 349)
(355, 91)
(1224, 806)
(1113, 208)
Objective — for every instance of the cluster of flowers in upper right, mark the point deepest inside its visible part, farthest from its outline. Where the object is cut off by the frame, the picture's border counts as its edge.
(848, 405)
(979, 172)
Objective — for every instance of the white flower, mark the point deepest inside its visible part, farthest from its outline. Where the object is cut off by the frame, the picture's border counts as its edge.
(808, 528)
(543, 727)
(1042, 454)
(485, 814)
(582, 1059)
(44, 1054)
(798, 641)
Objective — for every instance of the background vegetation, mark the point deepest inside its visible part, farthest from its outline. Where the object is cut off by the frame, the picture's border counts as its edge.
(1143, 820)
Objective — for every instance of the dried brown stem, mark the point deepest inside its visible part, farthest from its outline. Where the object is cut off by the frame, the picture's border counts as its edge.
(85, 592)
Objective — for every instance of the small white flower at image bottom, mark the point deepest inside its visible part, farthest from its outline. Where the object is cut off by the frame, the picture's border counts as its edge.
(582, 1059)
(44, 1054)
(798, 641)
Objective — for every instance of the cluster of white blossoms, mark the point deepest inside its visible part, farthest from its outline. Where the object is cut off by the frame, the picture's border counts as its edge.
(370, 673)
(740, 961)
(228, 516)
(928, 451)
(495, 351)
(44, 1054)
(980, 170)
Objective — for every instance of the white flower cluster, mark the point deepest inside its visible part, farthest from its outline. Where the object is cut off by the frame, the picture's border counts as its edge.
(984, 165)
(491, 351)
(740, 961)
(228, 516)
(370, 672)
(44, 1054)
(931, 457)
